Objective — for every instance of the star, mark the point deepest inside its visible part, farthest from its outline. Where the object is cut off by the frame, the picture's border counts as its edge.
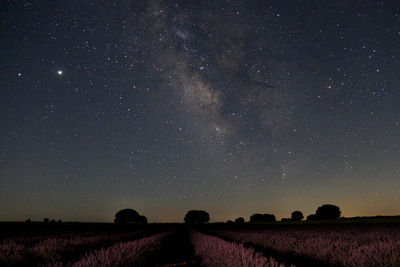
(60, 72)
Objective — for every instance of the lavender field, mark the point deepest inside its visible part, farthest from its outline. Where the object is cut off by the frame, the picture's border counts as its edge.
(328, 245)
(275, 245)
(153, 245)
(66, 249)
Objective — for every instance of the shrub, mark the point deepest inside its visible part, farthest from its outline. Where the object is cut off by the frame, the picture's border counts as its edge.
(297, 216)
(312, 217)
(328, 212)
(129, 216)
(239, 220)
(196, 217)
(262, 218)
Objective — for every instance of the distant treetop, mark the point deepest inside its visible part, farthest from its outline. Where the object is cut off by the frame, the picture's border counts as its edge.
(129, 216)
(196, 217)
(325, 212)
(262, 218)
(239, 220)
(328, 212)
(297, 216)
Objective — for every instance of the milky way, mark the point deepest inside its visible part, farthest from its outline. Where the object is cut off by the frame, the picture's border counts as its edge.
(234, 107)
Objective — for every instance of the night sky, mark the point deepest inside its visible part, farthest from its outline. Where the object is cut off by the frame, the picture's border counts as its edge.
(234, 107)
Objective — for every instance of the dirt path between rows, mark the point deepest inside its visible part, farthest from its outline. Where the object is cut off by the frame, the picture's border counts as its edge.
(179, 251)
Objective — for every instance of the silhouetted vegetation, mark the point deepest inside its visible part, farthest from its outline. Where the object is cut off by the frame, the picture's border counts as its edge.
(262, 218)
(46, 220)
(239, 220)
(197, 217)
(312, 217)
(328, 212)
(325, 212)
(142, 219)
(297, 216)
(286, 220)
(129, 216)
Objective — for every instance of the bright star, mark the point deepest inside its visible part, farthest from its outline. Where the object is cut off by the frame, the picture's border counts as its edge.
(60, 72)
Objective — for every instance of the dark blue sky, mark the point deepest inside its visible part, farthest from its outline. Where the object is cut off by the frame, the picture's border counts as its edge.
(234, 107)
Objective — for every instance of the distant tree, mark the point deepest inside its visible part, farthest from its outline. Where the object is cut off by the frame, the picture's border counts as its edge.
(229, 222)
(312, 217)
(239, 220)
(255, 217)
(28, 220)
(196, 217)
(142, 219)
(328, 212)
(286, 220)
(46, 220)
(262, 218)
(59, 221)
(127, 216)
(297, 216)
(53, 221)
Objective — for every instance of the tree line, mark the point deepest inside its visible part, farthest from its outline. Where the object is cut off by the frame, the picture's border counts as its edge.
(324, 212)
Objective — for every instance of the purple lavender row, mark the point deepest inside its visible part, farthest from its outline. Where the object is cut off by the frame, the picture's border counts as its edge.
(338, 247)
(54, 249)
(136, 253)
(217, 252)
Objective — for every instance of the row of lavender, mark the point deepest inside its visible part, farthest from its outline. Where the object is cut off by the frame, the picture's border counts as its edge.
(213, 251)
(76, 251)
(217, 252)
(44, 251)
(142, 252)
(339, 247)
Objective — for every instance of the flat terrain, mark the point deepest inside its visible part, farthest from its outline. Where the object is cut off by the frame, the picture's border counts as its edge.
(344, 242)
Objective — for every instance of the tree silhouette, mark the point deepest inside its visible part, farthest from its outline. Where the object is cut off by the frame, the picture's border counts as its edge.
(262, 218)
(312, 217)
(196, 217)
(142, 219)
(127, 216)
(239, 220)
(328, 212)
(297, 216)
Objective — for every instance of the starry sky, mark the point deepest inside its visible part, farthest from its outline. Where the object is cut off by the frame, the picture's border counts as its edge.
(234, 107)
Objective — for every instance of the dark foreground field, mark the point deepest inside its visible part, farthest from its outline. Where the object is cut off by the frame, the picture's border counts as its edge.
(352, 243)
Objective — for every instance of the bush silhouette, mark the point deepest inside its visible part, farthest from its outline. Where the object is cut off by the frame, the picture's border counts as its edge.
(239, 220)
(286, 220)
(46, 220)
(312, 217)
(142, 219)
(262, 218)
(196, 217)
(127, 216)
(297, 216)
(328, 212)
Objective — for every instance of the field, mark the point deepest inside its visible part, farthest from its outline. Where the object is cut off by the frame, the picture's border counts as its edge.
(349, 243)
